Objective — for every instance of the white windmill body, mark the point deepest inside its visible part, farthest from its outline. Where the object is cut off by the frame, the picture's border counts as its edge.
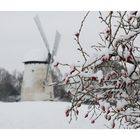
(37, 74)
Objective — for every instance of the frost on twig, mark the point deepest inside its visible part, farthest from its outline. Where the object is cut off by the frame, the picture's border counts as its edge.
(109, 81)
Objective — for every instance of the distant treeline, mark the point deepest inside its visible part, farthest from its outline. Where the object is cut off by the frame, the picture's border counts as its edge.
(10, 85)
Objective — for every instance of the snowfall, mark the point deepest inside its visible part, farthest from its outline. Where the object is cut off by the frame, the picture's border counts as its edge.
(44, 115)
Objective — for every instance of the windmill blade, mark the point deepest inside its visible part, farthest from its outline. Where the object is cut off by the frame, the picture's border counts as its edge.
(42, 33)
(54, 51)
(56, 43)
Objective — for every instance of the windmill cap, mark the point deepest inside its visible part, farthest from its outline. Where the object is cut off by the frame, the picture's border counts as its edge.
(36, 55)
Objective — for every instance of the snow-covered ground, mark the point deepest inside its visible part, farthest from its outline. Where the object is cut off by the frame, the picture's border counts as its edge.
(43, 115)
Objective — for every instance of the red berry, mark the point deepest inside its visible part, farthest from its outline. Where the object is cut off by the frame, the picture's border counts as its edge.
(93, 121)
(119, 85)
(77, 112)
(108, 111)
(67, 113)
(130, 18)
(94, 78)
(130, 49)
(78, 105)
(129, 58)
(108, 78)
(123, 46)
(113, 124)
(122, 58)
(103, 59)
(134, 13)
(103, 108)
(86, 115)
(77, 34)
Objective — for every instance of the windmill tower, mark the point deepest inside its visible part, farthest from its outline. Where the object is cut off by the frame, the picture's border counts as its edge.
(37, 73)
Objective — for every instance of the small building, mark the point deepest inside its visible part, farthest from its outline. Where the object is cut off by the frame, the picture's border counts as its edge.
(34, 79)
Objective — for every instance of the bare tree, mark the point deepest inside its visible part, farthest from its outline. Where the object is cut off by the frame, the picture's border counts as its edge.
(110, 80)
(16, 81)
(10, 85)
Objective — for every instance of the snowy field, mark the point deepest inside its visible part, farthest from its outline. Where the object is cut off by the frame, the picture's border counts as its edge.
(47, 115)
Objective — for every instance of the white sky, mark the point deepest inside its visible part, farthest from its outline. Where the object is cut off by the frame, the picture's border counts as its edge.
(19, 34)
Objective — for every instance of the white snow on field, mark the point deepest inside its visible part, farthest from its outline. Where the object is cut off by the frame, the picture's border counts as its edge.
(41, 114)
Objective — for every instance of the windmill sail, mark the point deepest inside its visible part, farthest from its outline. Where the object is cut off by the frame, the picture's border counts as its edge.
(56, 43)
(44, 38)
(54, 51)
(42, 33)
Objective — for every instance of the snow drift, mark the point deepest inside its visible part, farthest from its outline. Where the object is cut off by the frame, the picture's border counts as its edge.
(43, 115)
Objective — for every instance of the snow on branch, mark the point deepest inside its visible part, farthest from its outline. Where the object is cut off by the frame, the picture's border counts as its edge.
(109, 80)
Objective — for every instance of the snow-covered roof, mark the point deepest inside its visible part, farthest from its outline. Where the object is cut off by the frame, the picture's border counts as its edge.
(36, 55)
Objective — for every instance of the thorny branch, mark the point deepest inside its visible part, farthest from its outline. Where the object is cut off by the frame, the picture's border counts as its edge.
(77, 35)
(109, 81)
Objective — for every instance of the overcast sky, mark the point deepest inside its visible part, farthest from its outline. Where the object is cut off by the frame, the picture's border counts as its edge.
(19, 34)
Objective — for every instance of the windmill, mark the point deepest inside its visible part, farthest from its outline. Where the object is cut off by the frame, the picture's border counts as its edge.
(39, 70)
(55, 46)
